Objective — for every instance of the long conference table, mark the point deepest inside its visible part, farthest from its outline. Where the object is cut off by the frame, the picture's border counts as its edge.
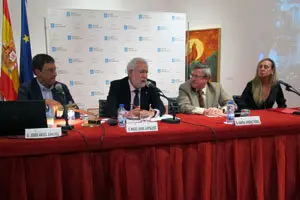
(200, 158)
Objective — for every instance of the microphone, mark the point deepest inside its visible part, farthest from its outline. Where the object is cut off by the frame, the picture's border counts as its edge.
(67, 126)
(173, 120)
(284, 83)
(59, 88)
(289, 88)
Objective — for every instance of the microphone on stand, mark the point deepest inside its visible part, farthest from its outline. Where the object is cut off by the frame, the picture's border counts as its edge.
(289, 88)
(284, 83)
(174, 119)
(67, 126)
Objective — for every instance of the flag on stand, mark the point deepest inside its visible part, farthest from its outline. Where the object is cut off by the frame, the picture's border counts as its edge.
(9, 80)
(26, 73)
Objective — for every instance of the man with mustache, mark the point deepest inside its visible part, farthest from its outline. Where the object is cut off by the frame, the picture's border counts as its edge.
(132, 91)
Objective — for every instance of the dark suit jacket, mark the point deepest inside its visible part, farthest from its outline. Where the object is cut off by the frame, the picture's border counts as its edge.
(276, 94)
(31, 91)
(119, 93)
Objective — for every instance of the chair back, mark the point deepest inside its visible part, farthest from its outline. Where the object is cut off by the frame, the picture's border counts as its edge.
(174, 102)
(102, 103)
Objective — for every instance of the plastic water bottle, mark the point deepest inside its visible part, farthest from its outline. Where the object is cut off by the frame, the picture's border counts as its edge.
(50, 115)
(121, 116)
(71, 115)
(230, 113)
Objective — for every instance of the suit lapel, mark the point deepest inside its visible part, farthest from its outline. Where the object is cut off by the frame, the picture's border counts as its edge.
(210, 96)
(144, 98)
(125, 93)
(194, 98)
(36, 90)
(58, 96)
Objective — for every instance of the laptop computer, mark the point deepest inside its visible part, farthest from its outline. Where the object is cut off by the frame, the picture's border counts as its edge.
(16, 116)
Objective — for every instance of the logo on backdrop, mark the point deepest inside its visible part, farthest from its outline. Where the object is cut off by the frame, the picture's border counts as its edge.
(163, 70)
(130, 49)
(56, 25)
(95, 71)
(177, 60)
(74, 83)
(107, 15)
(58, 49)
(145, 39)
(174, 81)
(96, 93)
(163, 49)
(95, 49)
(110, 60)
(110, 38)
(144, 16)
(177, 39)
(75, 60)
(161, 28)
(177, 17)
(129, 27)
(74, 37)
(73, 14)
(95, 26)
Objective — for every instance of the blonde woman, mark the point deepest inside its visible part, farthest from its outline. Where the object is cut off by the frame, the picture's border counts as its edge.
(264, 90)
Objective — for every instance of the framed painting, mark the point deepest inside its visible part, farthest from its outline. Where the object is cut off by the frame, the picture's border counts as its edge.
(204, 46)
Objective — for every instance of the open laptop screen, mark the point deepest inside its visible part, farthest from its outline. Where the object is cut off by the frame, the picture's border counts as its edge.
(16, 116)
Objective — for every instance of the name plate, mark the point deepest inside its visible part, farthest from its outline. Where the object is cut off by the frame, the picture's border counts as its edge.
(251, 120)
(38, 133)
(141, 127)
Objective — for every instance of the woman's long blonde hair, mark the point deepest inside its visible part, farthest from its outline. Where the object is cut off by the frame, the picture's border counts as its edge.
(257, 90)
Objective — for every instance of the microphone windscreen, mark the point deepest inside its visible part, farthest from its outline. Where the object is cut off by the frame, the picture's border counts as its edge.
(149, 84)
(59, 88)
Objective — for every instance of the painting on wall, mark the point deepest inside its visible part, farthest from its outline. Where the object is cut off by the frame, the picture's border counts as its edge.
(204, 46)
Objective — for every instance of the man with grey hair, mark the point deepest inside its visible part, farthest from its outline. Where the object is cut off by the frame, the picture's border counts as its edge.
(132, 91)
(199, 96)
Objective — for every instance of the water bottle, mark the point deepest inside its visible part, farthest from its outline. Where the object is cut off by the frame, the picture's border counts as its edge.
(71, 115)
(50, 115)
(230, 113)
(121, 116)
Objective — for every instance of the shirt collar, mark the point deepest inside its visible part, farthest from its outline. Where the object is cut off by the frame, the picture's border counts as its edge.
(43, 87)
(131, 86)
(203, 90)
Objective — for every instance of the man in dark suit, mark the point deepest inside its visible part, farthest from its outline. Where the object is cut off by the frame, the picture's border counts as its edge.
(45, 86)
(132, 91)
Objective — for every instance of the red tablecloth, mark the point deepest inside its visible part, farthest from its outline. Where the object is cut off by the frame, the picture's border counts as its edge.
(200, 158)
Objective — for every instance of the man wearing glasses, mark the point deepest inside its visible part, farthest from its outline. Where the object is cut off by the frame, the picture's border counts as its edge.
(44, 85)
(199, 96)
(133, 91)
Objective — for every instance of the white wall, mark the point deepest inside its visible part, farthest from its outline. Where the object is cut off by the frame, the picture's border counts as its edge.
(244, 25)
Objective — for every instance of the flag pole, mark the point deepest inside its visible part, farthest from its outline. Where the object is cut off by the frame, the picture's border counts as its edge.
(45, 29)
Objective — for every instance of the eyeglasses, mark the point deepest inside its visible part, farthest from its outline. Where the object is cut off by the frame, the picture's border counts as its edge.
(51, 70)
(197, 76)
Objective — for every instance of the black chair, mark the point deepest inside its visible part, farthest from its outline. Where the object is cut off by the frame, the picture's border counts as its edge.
(174, 102)
(236, 98)
(102, 103)
(237, 101)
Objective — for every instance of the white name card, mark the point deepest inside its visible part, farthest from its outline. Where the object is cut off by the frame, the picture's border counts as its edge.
(251, 120)
(38, 133)
(141, 127)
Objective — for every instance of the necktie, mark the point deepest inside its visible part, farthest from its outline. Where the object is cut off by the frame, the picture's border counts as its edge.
(136, 100)
(201, 100)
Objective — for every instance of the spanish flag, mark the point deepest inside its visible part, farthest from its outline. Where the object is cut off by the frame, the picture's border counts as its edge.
(9, 80)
